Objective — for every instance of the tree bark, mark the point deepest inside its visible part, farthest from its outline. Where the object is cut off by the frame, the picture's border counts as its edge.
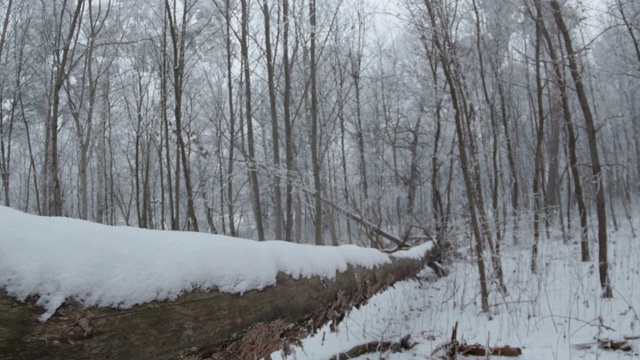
(197, 323)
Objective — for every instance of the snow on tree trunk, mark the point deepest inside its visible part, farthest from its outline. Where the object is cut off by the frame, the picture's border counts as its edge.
(250, 325)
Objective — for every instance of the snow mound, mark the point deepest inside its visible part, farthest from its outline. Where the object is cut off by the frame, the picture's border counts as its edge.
(58, 258)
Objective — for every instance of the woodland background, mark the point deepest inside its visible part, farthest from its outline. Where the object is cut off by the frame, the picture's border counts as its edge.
(327, 122)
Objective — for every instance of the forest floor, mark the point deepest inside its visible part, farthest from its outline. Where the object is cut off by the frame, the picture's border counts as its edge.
(555, 314)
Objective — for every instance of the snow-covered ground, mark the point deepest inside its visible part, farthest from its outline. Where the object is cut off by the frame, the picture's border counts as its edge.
(557, 314)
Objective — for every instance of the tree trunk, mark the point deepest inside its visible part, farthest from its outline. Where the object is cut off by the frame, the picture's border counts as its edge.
(165, 123)
(5, 154)
(288, 132)
(495, 250)
(413, 168)
(232, 122)
(314, 134)
(573, 157)
(464, 162)
(178, 41)
(355, 71)
(439, 217)
(552, 196)
(227, 326)
(5, 157)
(274, 124)
(341, 77)
(515, 187)
(101, 155)
(603, 263)
(537, 173)
(32, 161)
(634, 119)
(55, 191)
(253, 171)
(84, 121)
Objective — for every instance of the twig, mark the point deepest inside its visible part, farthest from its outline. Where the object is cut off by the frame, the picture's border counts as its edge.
(375, 346)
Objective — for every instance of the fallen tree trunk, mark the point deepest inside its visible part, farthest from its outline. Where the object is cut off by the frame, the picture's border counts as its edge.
(197, 324)
(480, 350)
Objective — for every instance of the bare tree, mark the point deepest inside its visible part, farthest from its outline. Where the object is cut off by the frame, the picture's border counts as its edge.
(253, 171)
(61, 70)
(447, 64)
(5, 150)
(495, 249)
(572, 143)
(177, 30)
(164, 95)
(82, 95)
(603, 263)
(275, 141)
(232, 120)
(288, 131)
(314, 134)
(356, 56)
(537, 174)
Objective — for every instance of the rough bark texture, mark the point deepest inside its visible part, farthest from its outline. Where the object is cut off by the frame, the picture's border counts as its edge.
(198, 324)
